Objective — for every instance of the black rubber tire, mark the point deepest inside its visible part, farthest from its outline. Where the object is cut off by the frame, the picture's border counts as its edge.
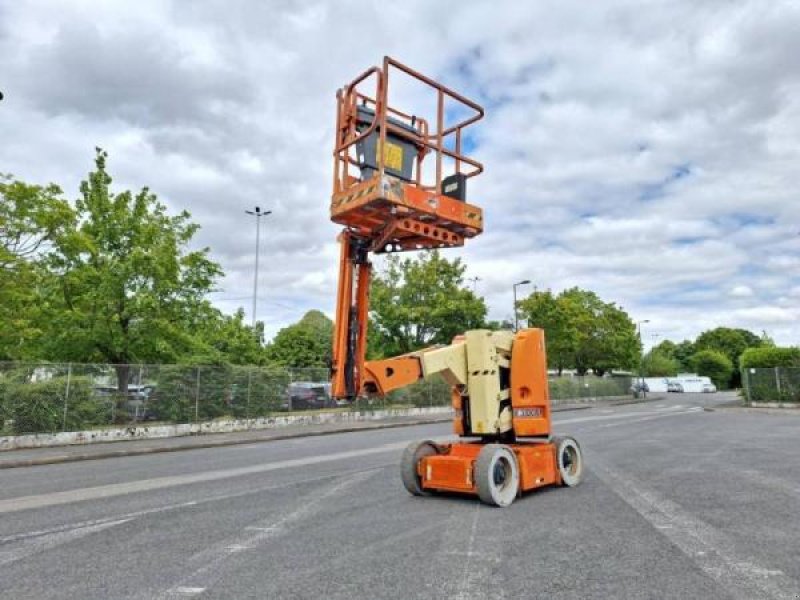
(413, 453)
(569, 460)
(490, 491)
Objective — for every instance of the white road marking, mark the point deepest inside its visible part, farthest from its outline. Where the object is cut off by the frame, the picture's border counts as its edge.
(211, 560)
(91, 523)
(627, 415)
(143, 485)
(710, 549)
(689, 411)
(30, 546)
(190, 591)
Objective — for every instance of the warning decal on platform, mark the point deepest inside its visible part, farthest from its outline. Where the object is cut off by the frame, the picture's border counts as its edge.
(392, 156)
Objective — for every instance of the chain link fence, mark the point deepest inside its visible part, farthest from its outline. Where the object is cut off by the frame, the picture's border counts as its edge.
(776, 384)
(47, 398)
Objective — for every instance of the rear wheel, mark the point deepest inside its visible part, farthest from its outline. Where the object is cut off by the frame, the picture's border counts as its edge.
(497, 475)
(413, 453)
(569, 460)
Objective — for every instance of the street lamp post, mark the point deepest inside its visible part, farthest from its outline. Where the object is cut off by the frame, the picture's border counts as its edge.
(257, 214)
(641, 356)
(516, 313)
(474, 281)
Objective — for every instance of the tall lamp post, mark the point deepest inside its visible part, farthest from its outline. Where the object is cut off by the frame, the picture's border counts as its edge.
(641, 355)
(257, 214)
(516, 313)
(474, 281)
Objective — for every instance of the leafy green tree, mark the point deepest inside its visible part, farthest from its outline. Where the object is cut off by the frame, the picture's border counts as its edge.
(417, 302)
(128, 288)
(230, 340)
(560, 320)
(30, 217)
(582, 331)
(306, 343)
(681, 353)
(768, 357)
(713, 364)
(659, 364)
(731, 342)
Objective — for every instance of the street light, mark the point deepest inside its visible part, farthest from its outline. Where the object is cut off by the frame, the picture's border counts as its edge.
(516, 314)
(474, 281)
(641, 356)
(257, 214)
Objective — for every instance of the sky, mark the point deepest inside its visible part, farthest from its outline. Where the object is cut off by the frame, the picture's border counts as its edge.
(648, 151)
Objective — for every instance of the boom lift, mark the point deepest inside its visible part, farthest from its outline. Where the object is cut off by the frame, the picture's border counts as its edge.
(391, 193)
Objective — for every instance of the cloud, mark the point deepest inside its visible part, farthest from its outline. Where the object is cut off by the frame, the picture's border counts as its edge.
(648, 155)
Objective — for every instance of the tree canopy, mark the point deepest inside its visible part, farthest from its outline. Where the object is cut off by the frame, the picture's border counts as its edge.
(417, 302)
(582, 331)
(713, 364)
(306, 343)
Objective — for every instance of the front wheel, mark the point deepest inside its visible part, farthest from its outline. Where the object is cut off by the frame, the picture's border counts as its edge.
(569, 460)
(413, 453)
(497, 475)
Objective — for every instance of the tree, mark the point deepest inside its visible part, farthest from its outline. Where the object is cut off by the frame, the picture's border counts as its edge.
(731, 342)
(128, 290)
(768, 357)
(306, 343)
(659, 364)
(583, 331)
(30, 216)
(560, 323)
(419, 302)
(713, 364)
(230, 340)
(680, 353)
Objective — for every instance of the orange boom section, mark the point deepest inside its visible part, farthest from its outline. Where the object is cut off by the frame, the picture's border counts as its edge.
(399, 184)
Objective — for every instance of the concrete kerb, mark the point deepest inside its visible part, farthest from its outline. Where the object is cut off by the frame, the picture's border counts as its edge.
(49, 460)
(428, 416)
(149, 432)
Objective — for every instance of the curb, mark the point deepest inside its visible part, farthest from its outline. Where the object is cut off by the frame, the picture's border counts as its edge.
(65, 458)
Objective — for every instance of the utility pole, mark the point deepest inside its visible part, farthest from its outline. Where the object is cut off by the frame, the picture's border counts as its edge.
(641, 356)
(257, 214)
(516, 312)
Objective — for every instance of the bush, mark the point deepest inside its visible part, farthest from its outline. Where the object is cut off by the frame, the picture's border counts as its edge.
(715, 365)
(762, 358)
(38, 407)
(568, 388)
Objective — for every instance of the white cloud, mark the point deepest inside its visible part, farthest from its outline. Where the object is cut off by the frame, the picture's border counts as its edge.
(650, 155)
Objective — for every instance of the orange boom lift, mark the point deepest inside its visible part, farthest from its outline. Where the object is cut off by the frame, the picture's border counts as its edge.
(400, 184)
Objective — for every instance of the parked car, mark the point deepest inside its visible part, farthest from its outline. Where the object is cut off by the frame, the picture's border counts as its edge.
(304, 395)
(674, 386)
(134, 403)
(709, 388)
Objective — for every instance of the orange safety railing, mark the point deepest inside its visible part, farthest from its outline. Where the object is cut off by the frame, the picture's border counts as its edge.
(410, 128)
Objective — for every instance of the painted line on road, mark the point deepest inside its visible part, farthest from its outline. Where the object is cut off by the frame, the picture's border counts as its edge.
(690, 411)
(212, 560)
(206, 500)
(710, 549)
(143, 485)
(628, 415)
(31, 546)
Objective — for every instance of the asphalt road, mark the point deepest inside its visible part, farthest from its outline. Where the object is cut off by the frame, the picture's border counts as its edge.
(678, 502)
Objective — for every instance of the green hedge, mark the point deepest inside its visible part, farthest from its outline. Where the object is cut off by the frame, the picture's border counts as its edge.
(38, 407)
(761, 358)
(567, 388)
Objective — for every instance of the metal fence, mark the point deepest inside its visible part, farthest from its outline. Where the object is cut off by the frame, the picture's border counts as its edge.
(44, 397)
(776, 384)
